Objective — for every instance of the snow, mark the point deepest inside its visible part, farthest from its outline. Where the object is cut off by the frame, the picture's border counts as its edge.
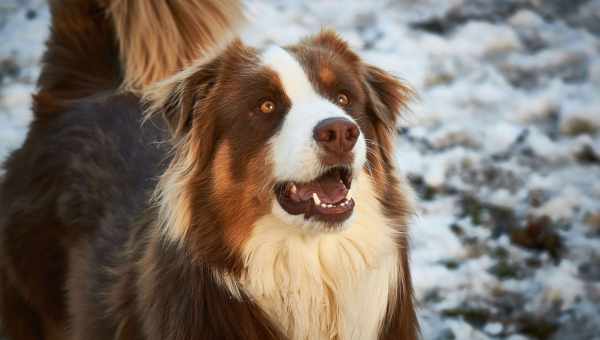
(15, 114)
(508, 101)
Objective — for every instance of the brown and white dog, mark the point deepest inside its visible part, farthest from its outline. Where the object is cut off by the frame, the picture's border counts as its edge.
(273, 212)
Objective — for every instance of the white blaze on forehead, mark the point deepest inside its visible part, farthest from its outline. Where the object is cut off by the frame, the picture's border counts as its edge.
(295, 153)
(291, 74)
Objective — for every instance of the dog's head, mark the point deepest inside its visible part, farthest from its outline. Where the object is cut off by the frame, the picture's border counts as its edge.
(283, 131)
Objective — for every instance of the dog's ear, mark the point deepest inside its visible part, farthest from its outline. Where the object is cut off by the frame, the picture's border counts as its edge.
(183, 101)
(387, 95)
(177, 99)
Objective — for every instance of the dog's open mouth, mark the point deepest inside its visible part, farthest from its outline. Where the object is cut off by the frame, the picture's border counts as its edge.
(326, 198)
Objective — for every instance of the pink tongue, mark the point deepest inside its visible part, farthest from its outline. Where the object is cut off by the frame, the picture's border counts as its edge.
(329, 188)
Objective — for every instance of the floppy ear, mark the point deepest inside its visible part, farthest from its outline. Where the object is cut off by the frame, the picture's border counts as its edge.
(183, 102)
(178, 97)
(387, 95)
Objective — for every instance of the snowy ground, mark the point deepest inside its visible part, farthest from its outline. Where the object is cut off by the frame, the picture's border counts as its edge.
(503, 146)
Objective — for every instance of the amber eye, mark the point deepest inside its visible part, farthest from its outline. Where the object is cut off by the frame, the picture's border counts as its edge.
(267, 106)
(342, 99)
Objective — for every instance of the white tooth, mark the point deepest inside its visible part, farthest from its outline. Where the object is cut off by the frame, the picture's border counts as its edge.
(343, 204)
(323, 205)
(316, 199)
(330, 206)
(293, 189)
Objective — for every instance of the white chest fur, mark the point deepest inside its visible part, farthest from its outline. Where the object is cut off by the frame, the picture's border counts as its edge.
(325, 285)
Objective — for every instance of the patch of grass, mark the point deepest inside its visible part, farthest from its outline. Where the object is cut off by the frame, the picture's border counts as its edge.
(477, 317)
(536, 327)
(499, 253)
(451, 264)
(539, 234)
(472, 208)
(506, 270)
(579, 126)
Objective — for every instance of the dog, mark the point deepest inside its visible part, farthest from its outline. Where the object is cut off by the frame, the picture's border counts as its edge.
(178, 184)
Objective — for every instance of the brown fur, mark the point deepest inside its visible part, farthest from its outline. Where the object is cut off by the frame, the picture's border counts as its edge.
(385, 96)
(45, 209)
(73, 208)
(159, 38)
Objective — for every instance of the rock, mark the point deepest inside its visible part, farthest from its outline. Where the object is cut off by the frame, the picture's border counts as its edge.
(8, 69)
(587, 155)
(451, 264)
(31, 14)
(590, 271)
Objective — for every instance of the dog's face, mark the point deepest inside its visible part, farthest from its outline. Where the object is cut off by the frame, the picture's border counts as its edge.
(318, 146)
(281, 131)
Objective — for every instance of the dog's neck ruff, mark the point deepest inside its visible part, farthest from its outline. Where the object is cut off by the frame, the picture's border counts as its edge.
(325, 285)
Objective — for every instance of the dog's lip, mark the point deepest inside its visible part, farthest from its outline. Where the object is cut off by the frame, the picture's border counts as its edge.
(326, 198)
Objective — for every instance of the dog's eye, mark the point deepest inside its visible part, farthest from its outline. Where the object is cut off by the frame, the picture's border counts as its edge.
(342, 100)
(267, 106)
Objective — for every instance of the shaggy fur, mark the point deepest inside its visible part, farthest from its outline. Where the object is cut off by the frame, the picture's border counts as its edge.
(158, 38)
(111, 228)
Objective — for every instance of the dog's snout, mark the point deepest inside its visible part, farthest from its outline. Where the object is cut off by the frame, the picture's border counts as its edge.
(336, 135)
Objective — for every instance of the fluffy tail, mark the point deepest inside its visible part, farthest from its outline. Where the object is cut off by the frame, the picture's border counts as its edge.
(159, 37)
(98, 45)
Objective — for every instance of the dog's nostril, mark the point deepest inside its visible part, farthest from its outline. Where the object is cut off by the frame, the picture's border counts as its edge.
(337, 135)
(352, 133)
(325, 135)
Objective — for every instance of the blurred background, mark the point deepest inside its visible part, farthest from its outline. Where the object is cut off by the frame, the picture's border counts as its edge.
(502, 146)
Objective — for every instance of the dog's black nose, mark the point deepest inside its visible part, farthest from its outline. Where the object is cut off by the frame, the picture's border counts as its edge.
(336, 135)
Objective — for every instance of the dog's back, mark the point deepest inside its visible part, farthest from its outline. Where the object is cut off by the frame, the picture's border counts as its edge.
(86, 162)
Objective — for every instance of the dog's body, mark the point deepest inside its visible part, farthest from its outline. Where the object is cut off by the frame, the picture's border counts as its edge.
(257, 201)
